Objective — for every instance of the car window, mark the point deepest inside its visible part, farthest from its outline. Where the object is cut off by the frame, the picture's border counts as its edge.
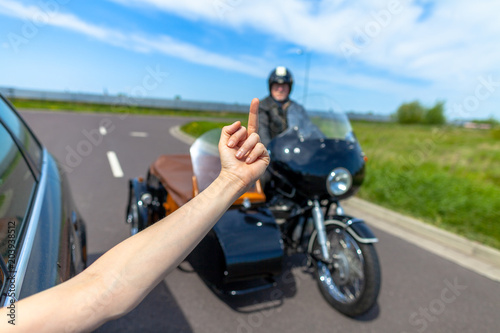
(21, 132)
(17, 185)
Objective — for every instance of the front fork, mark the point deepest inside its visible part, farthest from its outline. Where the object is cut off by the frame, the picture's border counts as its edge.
(319, 224)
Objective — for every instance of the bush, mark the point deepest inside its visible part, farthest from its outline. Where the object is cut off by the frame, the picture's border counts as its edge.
(435, 115)
(490, 121)
(415, 113)
(410, 113)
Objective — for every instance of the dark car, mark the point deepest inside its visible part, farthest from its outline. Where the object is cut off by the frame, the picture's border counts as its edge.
(42, 236)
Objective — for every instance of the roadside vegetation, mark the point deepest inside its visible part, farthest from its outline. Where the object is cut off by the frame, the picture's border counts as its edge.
(118, 109)
(446, 176)
(197, 128)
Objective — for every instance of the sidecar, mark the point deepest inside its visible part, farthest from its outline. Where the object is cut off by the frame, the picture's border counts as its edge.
(243, 252)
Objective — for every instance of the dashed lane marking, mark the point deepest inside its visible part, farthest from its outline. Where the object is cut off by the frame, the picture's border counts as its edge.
(139, 134)
(116, 169)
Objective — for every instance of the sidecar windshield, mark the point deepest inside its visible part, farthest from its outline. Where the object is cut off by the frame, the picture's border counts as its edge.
(206, 166)
(205, 158)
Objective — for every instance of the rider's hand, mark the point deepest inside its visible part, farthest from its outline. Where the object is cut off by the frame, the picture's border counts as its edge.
(243, 157)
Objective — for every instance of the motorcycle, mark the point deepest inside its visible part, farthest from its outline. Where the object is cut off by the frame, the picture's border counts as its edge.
(315, 163)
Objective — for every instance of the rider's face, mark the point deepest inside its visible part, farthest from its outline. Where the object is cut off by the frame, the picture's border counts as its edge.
(280, 91)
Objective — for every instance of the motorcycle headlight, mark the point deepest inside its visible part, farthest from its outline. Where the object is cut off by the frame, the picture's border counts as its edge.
(338, 182)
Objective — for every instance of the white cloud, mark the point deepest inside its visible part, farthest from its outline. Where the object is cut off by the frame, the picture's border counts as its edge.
(169, 46)
(52, 16)
(453, 41)
(141, 43)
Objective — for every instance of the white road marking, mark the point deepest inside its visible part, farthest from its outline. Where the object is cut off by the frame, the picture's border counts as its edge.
(139, 134)
(102, 130)
(115, 165)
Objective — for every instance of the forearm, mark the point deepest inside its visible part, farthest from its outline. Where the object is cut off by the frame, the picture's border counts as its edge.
(145, 259)
(123, 276)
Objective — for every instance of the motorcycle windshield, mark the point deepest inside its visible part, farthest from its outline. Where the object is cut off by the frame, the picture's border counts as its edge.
(318, 125)
(314, 144)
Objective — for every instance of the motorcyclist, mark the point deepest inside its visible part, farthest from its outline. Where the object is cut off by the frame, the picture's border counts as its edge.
(273, 109)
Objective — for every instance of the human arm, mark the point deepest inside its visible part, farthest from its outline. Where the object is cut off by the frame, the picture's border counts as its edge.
(123, 276)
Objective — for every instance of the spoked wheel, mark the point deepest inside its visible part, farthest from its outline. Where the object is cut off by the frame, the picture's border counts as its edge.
(350, 281)
(133, 214)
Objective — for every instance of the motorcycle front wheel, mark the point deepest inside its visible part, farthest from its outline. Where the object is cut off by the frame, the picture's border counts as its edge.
(133, 214)
(350, 281)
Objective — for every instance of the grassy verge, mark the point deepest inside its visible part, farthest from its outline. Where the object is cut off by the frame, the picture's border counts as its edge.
(119, 109)
(197, 128)
(446, 176)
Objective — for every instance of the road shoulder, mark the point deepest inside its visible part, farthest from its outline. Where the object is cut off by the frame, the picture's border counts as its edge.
(472, 255)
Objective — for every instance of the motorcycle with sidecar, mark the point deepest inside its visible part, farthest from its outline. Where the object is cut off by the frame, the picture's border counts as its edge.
(315, 163)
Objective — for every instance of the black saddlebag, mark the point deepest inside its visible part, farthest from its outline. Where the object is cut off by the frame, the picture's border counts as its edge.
(242, 253)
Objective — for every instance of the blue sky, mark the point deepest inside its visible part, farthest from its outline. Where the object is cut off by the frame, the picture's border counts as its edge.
(364, 55)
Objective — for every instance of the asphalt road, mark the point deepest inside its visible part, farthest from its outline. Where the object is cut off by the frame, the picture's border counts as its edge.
(421, 291)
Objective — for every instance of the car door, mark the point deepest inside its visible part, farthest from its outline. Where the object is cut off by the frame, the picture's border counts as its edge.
(39, 245)
(18, 184)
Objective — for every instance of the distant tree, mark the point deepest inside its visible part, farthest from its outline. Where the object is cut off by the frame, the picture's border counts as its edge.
(410, 113)
(491, 121)
(435, 115)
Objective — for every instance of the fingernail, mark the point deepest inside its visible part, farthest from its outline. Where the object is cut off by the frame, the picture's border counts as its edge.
(239, 154)
(230, 144)
(248, 160)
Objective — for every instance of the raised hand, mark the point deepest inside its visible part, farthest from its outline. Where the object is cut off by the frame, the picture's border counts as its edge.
(243, 157)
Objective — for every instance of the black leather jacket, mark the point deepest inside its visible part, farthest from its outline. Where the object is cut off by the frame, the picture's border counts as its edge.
(273, 117)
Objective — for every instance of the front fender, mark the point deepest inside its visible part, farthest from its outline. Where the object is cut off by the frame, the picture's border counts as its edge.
(354, 226)
(357, 228)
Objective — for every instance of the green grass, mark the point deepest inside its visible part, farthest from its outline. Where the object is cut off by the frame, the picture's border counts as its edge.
(119, 109)
(197, 128)
(446, 176)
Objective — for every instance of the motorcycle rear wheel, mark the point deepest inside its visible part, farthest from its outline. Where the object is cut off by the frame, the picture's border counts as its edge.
(351, 281)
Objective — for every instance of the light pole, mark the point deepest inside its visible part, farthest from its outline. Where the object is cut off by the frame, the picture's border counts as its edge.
(306, 79)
